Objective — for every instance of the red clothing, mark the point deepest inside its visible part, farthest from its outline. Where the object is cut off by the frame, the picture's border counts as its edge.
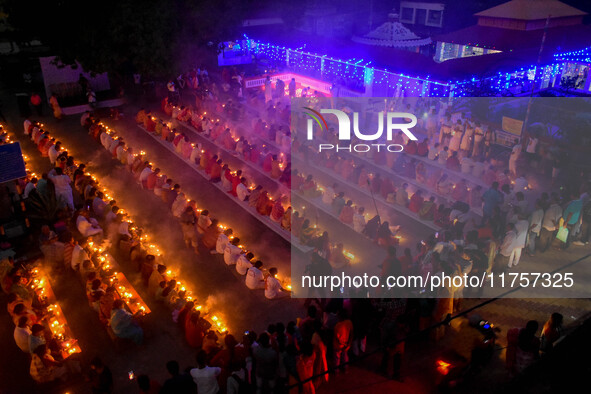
(216, 171)
(277, 211)
(416, 202)
(264, 205)
(151, 181)
(423, 149)
(267, 162)
(411, 148)
(149, 124)
(453, 163)
(193, 333)
(346, 215)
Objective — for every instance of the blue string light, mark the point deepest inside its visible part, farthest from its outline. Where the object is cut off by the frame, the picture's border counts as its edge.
(356, 73)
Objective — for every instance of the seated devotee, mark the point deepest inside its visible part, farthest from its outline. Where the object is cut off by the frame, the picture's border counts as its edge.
(337, 258)
(211, 234)
(460, 191)
(428, 208)
(264, 204)
(242, 191)
(338, 203)
(44, 368)
(37, 337)
(22, 332)
(416, 201)
(423, 148)
(156, 277)
(203, 221)
(453, 163)
(444, 185)
(385, 236)
(254, 276)
(232, 251)
(273, 288)
(443, 155)
(243, 263)
(278, 209)
(223, 241)
(421, 173)
(106, 304)
(359, 219)
(124, 324)
(411, 147)
(347, 213)
(140, 116)
(286, 220)
(433, 151)
(402, 195)
(309, 188)
(95, 293)
(22, 309)
(87, 226)
(307, 232)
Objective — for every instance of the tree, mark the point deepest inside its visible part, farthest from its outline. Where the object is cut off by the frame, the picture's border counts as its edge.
(107, 35)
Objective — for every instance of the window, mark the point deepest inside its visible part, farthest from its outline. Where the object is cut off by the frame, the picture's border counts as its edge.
(434, 18)
(420, 17)
(406, 15)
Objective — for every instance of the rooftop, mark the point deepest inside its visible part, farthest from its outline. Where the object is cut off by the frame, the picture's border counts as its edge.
(531, 10)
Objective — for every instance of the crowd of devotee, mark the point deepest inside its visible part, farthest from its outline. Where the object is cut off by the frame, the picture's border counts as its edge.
(487, 212)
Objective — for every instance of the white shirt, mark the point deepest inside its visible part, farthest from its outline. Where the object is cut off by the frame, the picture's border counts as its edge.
(106, 140)
(78, 257)
(144, 174)
(26, 125)
(552, 214)
(195, 154)
(467, 165)
(358, 222)
(536, 218)
(52, 153)
(477, 169)
(328, 195)
(28, 189)
(85, 227)
(254, 278)
(206, 379)
(221, 243)
(242, 191)
(121, 152)
(231, 253)
(61, 182)
(272, 287)
(521, 226)
(508, 243)
(21, 337)
(242, 264)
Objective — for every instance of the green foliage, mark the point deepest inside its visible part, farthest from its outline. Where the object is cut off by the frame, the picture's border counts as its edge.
(116, 35)
(42, 207)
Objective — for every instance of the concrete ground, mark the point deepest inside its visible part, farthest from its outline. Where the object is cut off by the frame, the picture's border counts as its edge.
(242, 308)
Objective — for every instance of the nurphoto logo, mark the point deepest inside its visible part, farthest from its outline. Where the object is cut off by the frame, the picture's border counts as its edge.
(402, 121)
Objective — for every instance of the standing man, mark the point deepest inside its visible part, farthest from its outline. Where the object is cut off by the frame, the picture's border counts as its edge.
(535, 226)
(571, 215)
(550, 224)
(268, 90)
(506, 249)
(492, 198)
(292, 88)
